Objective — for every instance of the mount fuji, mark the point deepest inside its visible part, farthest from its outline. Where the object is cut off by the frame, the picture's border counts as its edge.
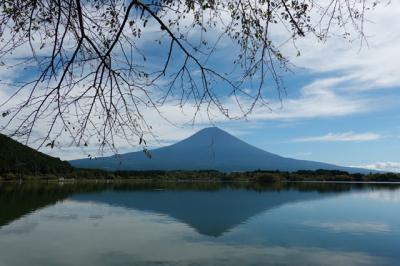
(208, 149)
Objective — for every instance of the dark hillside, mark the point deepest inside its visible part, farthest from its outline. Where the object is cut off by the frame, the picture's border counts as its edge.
(17, 158)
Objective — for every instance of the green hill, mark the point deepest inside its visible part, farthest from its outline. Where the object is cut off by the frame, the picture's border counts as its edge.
(18, 159)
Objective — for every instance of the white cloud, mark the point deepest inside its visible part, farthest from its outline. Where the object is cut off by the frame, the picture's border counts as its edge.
(369, 67)
(388, 196)
(346, 136)
(351, 227)
(383, 166)
(319, 99)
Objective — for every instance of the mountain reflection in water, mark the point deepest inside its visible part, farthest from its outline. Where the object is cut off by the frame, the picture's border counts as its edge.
(17, 200)
(210, 213)
(199, 224)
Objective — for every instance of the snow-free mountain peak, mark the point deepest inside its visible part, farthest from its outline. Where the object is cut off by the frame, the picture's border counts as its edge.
(209, 149)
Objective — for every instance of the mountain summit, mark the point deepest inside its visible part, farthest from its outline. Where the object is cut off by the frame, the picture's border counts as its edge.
(208, 149)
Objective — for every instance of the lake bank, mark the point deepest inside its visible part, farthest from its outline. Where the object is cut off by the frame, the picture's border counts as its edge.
(258, 176)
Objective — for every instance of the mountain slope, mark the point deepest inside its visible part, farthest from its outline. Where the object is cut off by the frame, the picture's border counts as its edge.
(210, 148)
(18, 158)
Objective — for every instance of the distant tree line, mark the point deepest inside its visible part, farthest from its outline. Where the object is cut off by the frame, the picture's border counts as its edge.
(318, 175)
(258, 176)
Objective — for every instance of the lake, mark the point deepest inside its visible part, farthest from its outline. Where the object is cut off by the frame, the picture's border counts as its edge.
(199, 224)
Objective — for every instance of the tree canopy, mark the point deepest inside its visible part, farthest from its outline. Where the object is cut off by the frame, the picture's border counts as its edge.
(18, 159)
(89, 68)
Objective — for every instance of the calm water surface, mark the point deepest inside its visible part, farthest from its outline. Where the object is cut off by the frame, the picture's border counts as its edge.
(199, 224)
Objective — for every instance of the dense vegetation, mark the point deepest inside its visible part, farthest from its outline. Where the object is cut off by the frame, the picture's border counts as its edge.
(213, 176)
(318, 175)
(18, 160)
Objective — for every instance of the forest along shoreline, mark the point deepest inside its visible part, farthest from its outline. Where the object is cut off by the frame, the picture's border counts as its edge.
(259, 176)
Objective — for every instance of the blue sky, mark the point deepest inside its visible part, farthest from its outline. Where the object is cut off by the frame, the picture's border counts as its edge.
(341, 104)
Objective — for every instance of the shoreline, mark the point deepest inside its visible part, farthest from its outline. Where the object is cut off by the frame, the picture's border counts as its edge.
(135, 180)
(201, 176)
